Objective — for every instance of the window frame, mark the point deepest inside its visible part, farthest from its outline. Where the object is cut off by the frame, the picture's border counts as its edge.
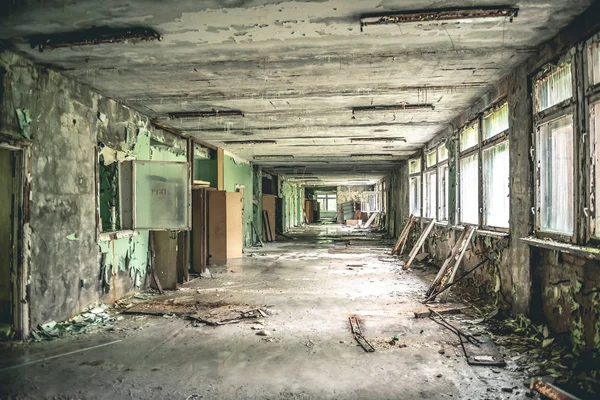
(590, 99)
(544, 117)
(417, 175)
(494, 140)
(462, 154)
(443, 163)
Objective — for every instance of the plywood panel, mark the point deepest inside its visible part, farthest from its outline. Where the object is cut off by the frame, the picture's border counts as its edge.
(234, 224)
(165, 246)
(268, 202)
(199, 230)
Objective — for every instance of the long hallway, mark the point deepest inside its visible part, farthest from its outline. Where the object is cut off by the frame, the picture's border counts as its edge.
(306, 286)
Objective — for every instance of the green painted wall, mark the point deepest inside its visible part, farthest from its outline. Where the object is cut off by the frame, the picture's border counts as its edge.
(206, 170)
(237, 172)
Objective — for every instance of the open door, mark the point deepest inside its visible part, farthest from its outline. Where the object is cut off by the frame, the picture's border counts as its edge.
(10, 204)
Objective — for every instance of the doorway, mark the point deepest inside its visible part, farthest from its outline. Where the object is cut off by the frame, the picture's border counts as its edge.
(9, 207)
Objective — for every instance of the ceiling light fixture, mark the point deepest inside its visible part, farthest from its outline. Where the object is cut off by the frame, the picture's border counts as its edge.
(93, 36)
(378, 139)
(370, 155)
(442, 14)
(394, 107)
(276, 156)
(250, 141)
(206, 114)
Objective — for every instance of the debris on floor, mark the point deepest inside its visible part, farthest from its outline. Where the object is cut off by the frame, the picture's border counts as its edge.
(229, 314)
(93, 318)
(358, 336)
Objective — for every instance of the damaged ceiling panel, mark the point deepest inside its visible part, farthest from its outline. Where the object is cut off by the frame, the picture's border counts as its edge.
(282, 78)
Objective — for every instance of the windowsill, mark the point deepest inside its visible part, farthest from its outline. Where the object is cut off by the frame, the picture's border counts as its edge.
(591, 253)
(106, 236)
(484, 232)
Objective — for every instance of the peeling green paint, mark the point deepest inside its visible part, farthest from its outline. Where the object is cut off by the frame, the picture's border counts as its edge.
(239, 174)
(24, 120)
(125, 254)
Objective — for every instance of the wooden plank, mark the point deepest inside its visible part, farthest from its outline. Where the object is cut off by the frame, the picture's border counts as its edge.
(166, 259)
(443, 270)
(155, 278)
(404, 235)
(470, 231)
(370, 220)
(220, 169)
(419, 244)
(198, 231)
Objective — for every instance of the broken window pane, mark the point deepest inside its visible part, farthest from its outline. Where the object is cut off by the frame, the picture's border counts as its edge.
(443, 192)
(469, 192)
(414, 166)
(469, 137)
(555, 165)
(595, 126)
(594, 63)
(495, 185)
(442, 152)
(414, 185)
(495, 122)
(554, 88)
(431, 158)
(429, 199)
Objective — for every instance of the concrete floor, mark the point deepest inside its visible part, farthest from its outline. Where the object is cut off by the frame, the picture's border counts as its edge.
(312, 287)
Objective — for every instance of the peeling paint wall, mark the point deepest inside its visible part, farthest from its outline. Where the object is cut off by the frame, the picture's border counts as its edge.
(347, 194)
(69, 268)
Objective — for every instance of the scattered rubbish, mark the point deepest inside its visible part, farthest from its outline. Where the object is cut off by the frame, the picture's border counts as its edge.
(358, 336)
(442, 311)
(550, 391)
(88, 320)
(421, 257)
(263, 333)
(229, 314)
(6, 332)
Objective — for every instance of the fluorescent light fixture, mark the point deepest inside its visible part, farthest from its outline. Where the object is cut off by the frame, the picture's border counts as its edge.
(276, 156)
(250, 141)
(441, 14)
(378, 139)
(93, 36)
(370, 155)
(394, 107)
(206, 114)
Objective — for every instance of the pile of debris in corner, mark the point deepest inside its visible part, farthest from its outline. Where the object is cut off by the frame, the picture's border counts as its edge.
(538, 353)
(91, 319)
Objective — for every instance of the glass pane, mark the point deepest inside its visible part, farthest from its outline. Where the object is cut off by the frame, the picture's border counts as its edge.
(469, 193)
(331, 204)
(554, 88)
(161, 195)
(414, 166)
(469, 137)
(555, 163)
(594, 56)
(443, 193)
(496, 122)
(429, 199)
(595, 126)
(414, 184)
(431, 158)
(496, 199)
(442, 153)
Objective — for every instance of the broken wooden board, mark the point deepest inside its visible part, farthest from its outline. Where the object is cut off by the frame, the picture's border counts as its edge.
(484, 353)
(419, 244)
(229, 314)
(370, 220)
(442, 311)
(399, 246)
(358, 336)
(552, 392)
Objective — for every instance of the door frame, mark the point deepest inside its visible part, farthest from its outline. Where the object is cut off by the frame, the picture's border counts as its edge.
(21, 232)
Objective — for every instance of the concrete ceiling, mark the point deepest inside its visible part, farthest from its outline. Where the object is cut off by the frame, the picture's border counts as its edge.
(295, 69)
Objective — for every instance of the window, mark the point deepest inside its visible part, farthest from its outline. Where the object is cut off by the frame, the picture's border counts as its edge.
(469, 137)
(554, 152)
(595, 129)
(555, 175)
(469, 190)
(495, 122)
(495, 168)
(442, 153)
(414, 186)
(370, 202)
(431, 158)
(496, 185)
(443, 192)
(554, 87)
(594, 63)
(430, 195)
(327, 202)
